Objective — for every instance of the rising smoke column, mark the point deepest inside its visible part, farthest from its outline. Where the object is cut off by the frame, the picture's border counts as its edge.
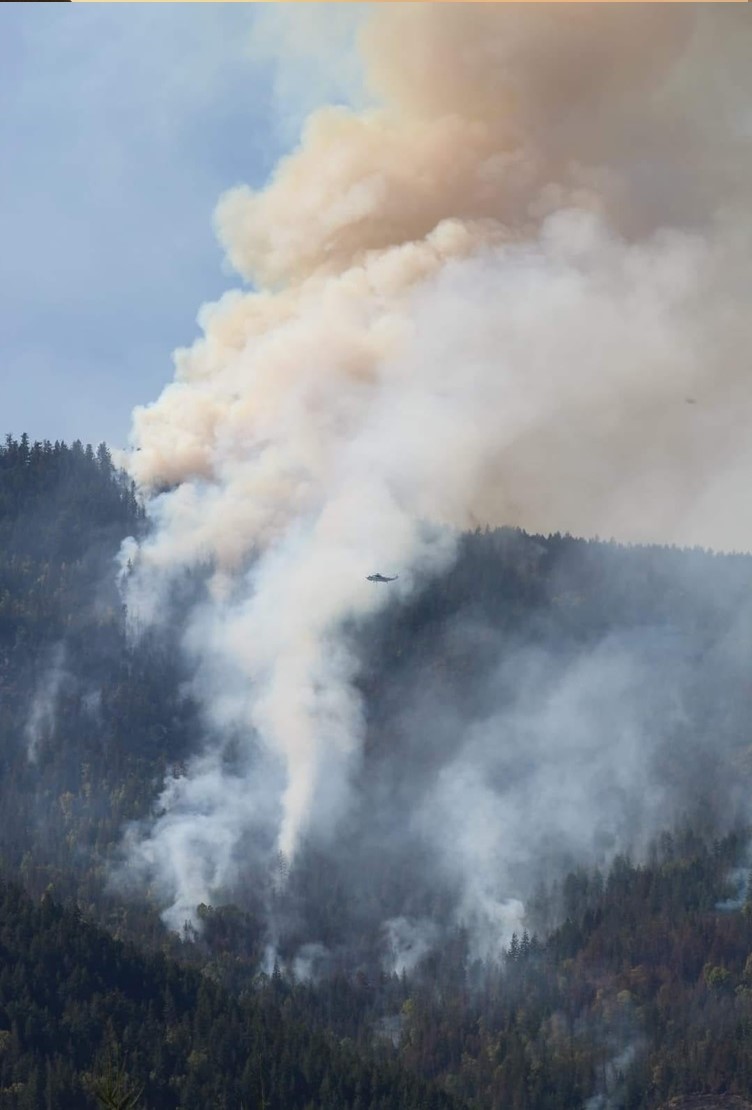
(484, 298)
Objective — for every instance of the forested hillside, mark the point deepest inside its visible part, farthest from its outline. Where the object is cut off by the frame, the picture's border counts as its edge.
(369, 978)
(81, 716)
(83, 1017)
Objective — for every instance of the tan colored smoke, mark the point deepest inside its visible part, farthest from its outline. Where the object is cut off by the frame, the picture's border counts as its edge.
(486, 298)
(500, 113)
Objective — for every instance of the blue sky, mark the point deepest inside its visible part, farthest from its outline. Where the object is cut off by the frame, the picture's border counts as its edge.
(120, 127)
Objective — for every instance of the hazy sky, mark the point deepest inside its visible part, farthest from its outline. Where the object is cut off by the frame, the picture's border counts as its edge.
(120, 127)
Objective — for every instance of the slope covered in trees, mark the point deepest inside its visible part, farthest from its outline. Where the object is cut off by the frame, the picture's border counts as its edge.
(81, 716)
(630, 984)
(72, 999)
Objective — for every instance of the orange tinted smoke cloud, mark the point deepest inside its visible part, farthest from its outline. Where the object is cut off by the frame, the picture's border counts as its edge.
(486, 113)
(485, 298)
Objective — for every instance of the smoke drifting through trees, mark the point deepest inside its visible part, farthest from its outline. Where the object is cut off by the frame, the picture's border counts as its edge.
(484, 299)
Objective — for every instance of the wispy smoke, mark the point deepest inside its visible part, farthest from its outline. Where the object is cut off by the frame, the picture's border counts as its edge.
(555, 766)
(408, 941)
(623, 1044)
(40, 722)
(487, 297)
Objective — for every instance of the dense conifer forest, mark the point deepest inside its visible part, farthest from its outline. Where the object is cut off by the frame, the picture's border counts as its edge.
(630, 984)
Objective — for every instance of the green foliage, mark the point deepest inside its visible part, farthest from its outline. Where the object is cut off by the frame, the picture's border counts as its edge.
(632, 986)
(76, 1004)
(87, 724)
(111, 1086)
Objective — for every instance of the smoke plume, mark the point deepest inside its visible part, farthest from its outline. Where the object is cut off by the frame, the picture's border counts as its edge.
(486, 297)
(40, 723)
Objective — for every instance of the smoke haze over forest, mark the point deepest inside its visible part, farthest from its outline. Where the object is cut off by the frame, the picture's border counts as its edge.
(513, 290)
(375, 730)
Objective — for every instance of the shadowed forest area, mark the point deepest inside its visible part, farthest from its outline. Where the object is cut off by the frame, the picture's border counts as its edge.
(628, 982)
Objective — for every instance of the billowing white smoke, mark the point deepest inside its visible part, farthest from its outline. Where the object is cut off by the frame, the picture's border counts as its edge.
(486, 299)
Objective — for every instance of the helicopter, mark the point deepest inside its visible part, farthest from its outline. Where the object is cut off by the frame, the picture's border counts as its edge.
(381, 578)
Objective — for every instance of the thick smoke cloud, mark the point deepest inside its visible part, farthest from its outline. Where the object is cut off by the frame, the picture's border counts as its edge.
(487, 298)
